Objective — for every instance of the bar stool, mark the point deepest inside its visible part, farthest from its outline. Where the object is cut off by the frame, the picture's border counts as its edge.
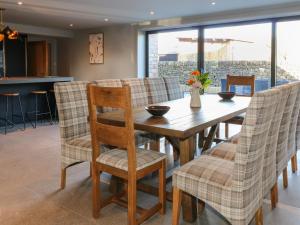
(37, 113)
(55, 107)
(7, 96)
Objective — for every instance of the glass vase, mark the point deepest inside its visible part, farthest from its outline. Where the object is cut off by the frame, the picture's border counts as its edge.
(195, 98)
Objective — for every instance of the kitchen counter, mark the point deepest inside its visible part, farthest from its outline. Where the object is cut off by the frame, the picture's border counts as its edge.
(31, 80)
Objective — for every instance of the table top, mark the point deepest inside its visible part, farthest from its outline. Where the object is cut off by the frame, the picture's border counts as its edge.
(182, 121)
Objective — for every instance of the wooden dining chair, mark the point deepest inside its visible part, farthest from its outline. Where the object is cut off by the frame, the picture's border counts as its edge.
(126, 161)
(233, 80)
(232, 188)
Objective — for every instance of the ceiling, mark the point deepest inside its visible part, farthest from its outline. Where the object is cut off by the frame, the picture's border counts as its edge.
(92, 13)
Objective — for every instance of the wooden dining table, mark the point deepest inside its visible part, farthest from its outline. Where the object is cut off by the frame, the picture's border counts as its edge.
(184, 123)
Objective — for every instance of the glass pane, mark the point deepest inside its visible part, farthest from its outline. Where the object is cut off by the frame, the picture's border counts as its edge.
(288, 50)
(173, 53)
(238, 50)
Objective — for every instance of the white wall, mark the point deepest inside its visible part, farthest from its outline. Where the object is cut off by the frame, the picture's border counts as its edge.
(120, 54)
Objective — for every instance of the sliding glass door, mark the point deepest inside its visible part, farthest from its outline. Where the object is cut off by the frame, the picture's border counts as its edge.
(238, 50)
(288, 51)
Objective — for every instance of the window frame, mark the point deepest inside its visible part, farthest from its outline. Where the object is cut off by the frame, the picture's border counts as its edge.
(201, 28)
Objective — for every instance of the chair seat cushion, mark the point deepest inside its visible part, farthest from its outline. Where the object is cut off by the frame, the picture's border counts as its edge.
(205, 177)
(224, 150)
(83, 143)
(119, 159)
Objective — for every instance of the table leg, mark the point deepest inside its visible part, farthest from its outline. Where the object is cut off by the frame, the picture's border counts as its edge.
(210, 137)
(189, 203)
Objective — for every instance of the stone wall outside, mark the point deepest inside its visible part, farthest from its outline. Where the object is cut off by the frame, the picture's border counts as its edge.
(220, 69)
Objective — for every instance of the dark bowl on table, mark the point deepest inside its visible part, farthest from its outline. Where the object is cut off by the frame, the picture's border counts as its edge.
(226, 95)
(157, 110)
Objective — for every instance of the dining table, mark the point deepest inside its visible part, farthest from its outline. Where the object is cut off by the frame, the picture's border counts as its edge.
(183, 123)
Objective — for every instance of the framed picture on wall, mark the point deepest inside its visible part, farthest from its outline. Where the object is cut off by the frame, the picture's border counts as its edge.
(96, 50)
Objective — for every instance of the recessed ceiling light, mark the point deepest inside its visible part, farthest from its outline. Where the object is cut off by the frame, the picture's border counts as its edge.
(152, 12)
(71, 25)
(20, 3)
(106, 20)
(213, 3)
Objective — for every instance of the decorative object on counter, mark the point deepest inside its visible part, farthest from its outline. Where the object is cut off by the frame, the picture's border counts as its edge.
(6, 31)
(226, 95)
(96, 48)
(199, 82)
(157, 110)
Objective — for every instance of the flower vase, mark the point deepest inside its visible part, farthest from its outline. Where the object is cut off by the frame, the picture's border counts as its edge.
(195, 98)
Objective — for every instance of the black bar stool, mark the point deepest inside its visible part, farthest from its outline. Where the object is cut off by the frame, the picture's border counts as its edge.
(37, 113)
(55, 107)
(10, 96)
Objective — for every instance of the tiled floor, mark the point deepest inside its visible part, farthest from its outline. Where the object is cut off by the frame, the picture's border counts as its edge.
(30, 194)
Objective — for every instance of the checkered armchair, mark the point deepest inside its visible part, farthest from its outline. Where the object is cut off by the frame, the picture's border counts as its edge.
(71, 100)
(156, 89)
(282, 142)
(233, 188)
(173, 87)
(293, 127)
(138, 91)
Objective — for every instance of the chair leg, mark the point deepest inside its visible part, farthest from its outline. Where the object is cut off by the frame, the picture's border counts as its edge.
(162, 188)
(96, 192)
(155, 145)
(218, 132)
(285, 177)
(132, 201)
(274, 196)
(226, 130)
(259, 219)
(177, 194)
(294, 163)
(63, 178)
(22, 113)
(201, 206)
(91, 169)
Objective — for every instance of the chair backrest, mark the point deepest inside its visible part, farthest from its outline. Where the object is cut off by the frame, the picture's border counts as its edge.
(233, 80)
(269, 169)
(108, 83)
(139, 95)
(121, 137)
(293, 124)
(72, 107)
(248, 165)
(282, 142)
(156, 89)
(173, 88)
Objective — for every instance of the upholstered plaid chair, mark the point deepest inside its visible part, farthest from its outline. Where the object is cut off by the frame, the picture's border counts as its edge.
(138, 91)
(297, 141)
(269, 181)
(156, 90)
(173, 87)
(72, 106)
(233, 188)
(292, 149)
(282, 142)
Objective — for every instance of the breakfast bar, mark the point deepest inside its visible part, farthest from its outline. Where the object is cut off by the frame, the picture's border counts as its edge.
(24, 87)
